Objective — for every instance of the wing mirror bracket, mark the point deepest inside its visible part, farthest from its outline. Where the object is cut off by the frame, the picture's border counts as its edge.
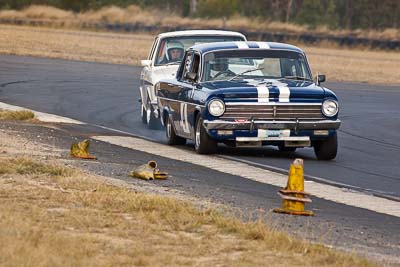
(320, 78)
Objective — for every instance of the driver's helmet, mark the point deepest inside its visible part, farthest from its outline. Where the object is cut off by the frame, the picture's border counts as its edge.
(174, 47)
(219, 64)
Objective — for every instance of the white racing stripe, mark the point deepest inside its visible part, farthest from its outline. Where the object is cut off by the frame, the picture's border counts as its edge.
(263, 93)
(263, 45)
(241, 45)
(328, 192)
(284, 91)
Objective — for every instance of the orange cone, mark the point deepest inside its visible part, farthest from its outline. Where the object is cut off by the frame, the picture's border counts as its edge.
(293, 195)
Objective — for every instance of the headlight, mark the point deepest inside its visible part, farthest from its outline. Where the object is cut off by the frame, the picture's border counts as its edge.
(216, 107)
(330, 108)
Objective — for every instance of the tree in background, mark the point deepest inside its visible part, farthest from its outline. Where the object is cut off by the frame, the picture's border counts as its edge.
(345, 14)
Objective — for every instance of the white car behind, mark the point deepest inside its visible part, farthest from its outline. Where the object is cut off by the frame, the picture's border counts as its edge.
(161, 63)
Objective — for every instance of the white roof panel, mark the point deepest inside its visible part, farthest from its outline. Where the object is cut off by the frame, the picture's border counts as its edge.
(200, 32)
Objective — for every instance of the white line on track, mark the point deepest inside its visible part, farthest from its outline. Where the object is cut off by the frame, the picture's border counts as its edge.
(233, 167)
(328, 192)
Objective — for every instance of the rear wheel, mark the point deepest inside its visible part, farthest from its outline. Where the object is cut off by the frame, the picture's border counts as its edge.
(151, 119)
(326, 149)
(172, 138)
(203, 143)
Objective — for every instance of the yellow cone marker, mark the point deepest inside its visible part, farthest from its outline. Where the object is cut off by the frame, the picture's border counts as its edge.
(148, 171)
(81, 150)
(294, 197)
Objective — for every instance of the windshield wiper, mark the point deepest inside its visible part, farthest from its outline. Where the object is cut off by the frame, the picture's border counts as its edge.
(296, 78)
(244, 72)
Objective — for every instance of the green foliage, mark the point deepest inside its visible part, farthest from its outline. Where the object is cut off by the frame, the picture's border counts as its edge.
(316, 13)
(332, 13)
(218, 8)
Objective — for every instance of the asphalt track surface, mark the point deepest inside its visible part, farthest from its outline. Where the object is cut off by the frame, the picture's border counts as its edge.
(106, 94)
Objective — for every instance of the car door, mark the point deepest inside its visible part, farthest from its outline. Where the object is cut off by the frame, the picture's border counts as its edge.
(147, 72)
(188, 86)
(179, 105)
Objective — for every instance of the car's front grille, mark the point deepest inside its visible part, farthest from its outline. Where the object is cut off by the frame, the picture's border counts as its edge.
(272, 111)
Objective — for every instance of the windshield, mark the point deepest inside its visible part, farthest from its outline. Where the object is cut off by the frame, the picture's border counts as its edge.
(171, 50)
(255, 64)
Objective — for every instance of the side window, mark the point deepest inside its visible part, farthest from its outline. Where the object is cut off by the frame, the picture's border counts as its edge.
(196, 64)
(160, 56)
(192, 64)
(187, 65)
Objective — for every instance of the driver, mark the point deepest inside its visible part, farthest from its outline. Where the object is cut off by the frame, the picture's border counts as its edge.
(220, 69)
(174, 52)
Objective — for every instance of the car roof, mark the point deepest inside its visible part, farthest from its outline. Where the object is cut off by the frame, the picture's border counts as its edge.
(209, 47)
(201, 32)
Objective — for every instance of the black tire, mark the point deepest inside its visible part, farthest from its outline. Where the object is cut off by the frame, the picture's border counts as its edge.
(326, 149)
(284, 148)
(144, 115)
(203, 144)
(172, 138)
(152, 121)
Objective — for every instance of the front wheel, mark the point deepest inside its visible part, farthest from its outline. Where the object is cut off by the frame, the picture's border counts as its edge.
(172, 138)
(203, 144)
(144, 115)
(326, 149)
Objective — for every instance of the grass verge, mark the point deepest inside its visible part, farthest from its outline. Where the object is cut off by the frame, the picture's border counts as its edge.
(337, 63)
(21, 115)
(54, 215)
(155, 17)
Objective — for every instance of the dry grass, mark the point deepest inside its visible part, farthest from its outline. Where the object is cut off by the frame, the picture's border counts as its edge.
(52, 215)
(74, 45)
(355, 65)
(22, 115)
(153, 17)
(337, 63)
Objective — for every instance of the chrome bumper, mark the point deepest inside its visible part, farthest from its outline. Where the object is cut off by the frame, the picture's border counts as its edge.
(271, 125)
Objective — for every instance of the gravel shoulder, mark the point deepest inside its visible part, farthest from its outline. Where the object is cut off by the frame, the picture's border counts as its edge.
(346, 228)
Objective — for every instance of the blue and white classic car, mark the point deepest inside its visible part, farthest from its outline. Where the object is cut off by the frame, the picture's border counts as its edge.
(249, 94)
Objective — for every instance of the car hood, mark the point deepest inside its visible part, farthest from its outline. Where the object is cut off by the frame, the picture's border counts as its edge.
(269, 90)
(164, 72)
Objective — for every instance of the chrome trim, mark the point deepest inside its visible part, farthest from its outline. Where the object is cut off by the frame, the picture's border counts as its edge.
(292, 125)
(169, 99)
(218, 100)
(271, 104)
(283, 138)
(337, 107)
(274, 111)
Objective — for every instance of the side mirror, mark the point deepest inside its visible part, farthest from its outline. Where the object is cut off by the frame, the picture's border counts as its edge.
(145, 62)
(320, 78)
(191, 76)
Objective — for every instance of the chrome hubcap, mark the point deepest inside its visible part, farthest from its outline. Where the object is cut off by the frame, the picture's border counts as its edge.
(148, 114)
(197, 137)
(168, 129)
